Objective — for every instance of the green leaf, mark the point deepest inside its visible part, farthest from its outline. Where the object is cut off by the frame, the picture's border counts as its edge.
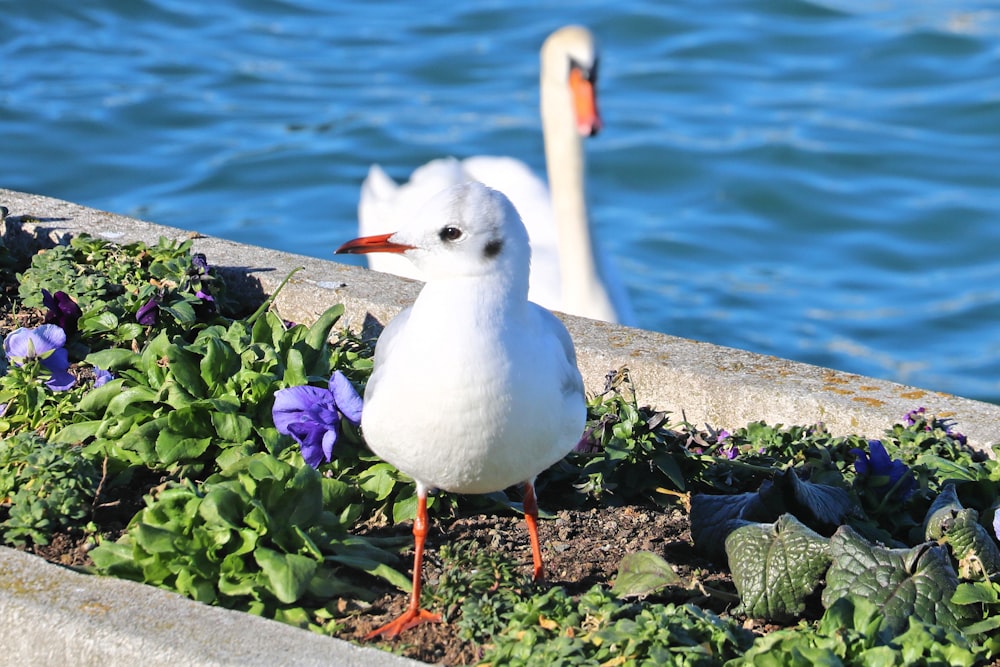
(379, 479)
(219, 363)
(113, 359)
(917, 582)
(405, 509)
(287, 575)
(73, 433)
(182, 311)
(337, 494)
(776, 566)
(979, 592)
(130, 396)
(97, 400)
(154, 539)
(376, 569)
(316, 339)
(115, 559)
(643, 573)
(230, 427)
(972, 546)
(941, 513)
(99, 321)
(222, 505)
(186, 370)
(173, 448)
(668, 465)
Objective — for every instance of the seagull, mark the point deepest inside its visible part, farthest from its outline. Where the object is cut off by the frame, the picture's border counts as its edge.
(474, 388)
(568, 273)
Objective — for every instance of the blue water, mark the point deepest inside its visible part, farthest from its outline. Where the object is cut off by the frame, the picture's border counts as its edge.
(814, 180)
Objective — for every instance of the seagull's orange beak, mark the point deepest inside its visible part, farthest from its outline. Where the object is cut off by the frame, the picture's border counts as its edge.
(588, 120)
(367, 244)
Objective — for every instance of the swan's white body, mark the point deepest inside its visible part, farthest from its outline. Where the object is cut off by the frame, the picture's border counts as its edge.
(567, 273)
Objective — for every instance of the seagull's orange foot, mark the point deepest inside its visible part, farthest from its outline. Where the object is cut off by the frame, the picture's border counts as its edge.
(409, 619)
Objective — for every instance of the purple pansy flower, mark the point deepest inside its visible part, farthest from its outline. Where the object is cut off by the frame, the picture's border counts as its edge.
(919, 415)
(199, 262)
(102, 377)
(996, 523)
(206, 308)
(62, 311)
(311, 415)
(893, 474)
(146, 315)
(914, 415)
(44, 343)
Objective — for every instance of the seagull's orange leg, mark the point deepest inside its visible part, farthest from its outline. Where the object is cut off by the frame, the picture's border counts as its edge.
(413, 615)
(531, 518)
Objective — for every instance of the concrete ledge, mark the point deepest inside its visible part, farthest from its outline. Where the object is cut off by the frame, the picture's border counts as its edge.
(53, 616)
(49, 615)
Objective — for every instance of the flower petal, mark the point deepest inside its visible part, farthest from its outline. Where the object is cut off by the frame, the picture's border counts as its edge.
(860, 461)
(57, 362)
(291, 405)
(329, 440)
(16, 344)
(346, 397)
(310, 438)
(146, 315)
(60, 381)
(101, 377)
(881, 463)
(48, 337)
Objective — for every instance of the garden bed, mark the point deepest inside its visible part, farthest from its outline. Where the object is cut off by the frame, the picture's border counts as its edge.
(153, 499)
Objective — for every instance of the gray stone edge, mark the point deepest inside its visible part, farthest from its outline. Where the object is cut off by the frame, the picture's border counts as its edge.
(699, 382)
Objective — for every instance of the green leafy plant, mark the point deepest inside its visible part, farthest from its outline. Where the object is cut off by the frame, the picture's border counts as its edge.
(853, 632)
(179, 403)
(44, 488)
(111, 283)
(776, 567)
(597, 628)
(627, 453)
(261, 534)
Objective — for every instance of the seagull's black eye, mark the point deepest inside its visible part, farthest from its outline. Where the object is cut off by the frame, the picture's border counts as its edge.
(450, 233)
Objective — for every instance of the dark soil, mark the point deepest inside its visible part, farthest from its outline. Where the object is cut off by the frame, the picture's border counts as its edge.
(580, 548)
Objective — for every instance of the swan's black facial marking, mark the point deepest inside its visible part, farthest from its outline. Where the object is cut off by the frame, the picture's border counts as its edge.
(450, 234)
(588, 73)
(492, 248)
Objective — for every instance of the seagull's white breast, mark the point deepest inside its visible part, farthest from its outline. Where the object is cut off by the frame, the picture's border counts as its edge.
(473, 413)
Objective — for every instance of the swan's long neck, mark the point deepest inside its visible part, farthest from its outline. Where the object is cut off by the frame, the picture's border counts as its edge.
(581, 285)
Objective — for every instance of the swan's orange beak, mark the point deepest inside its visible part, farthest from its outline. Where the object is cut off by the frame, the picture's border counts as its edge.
(588, 120)
(367, 244)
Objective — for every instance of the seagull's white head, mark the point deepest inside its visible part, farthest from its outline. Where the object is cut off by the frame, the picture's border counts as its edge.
(465, 231)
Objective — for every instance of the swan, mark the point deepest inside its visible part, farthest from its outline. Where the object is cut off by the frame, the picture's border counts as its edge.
(567, 273)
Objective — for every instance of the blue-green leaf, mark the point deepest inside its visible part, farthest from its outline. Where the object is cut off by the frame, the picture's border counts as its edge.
(776, 566)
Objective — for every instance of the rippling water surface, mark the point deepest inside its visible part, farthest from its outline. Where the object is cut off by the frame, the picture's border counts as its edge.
(815, 180)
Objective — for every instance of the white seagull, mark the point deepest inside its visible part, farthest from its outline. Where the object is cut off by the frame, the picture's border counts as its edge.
(567, 273)
(474, 388)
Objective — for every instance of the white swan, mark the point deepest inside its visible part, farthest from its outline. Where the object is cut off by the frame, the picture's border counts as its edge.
(566, 272)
